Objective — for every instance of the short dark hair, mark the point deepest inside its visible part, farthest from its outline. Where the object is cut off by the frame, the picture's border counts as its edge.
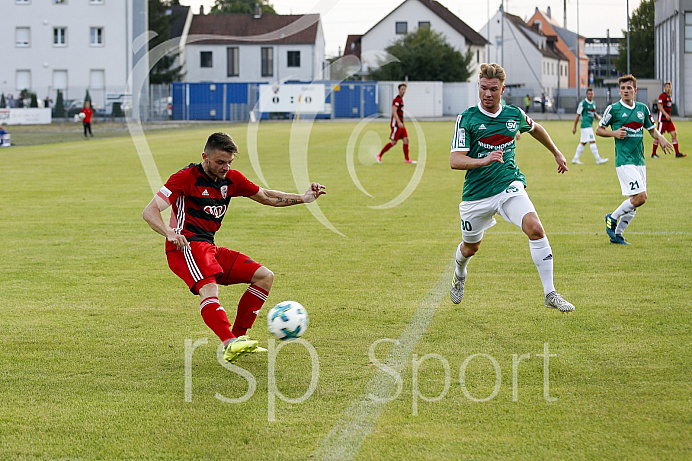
(627, 78)
(400, 85)
(222, 142)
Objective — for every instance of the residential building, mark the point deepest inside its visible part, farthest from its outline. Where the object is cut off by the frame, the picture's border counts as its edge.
(566, 42)
(254, 48)
(602, 52)
(673, 50)
(533, 63)
(413, 14)
(72, 46)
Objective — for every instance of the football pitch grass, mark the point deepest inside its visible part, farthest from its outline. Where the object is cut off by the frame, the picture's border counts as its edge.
(105, 356)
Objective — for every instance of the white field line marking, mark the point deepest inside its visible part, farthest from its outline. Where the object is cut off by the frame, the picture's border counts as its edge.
(349, 433)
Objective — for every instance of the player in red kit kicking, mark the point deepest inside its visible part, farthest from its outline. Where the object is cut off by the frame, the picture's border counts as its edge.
(397, 126)
(665, 122)
(200, 195)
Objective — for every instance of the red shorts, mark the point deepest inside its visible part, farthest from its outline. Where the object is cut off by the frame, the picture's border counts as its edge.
(666, 126)
(398, 133)
(204, 263)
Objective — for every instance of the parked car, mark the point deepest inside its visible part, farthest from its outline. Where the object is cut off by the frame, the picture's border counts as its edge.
(537, 105)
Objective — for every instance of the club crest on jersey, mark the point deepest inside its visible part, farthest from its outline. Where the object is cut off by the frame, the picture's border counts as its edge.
(640, 115)
(224, 191)
(511, 125)
(216, 211)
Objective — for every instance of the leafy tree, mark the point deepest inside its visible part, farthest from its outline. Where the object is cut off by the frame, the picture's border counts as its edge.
(165, 70)
(241, 7)
(425, 56)
(87, 97)
(34, 100)
(59, 110)
(641, 43)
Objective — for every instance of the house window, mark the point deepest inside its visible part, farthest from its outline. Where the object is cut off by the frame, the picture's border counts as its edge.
(22, 80)
(60, 79)
(423, 25)
(267, 62)
(233, 64)
(60, 36)
(205, 59)
(401, 28)
(96, 36)
(688, 32)
(293, 59)
(22, 36)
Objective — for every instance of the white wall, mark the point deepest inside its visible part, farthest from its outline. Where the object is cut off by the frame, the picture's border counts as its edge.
(422, 99)
(250, 63)
(457, 97)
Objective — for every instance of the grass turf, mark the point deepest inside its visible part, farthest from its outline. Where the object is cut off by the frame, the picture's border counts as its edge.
(94, 324)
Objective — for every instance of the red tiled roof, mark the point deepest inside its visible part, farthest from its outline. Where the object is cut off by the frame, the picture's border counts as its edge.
(245, 28)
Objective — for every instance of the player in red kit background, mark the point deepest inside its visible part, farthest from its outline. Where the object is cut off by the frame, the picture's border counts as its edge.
(665, 122)
(200, 195)
(86, 121)
(398, 130)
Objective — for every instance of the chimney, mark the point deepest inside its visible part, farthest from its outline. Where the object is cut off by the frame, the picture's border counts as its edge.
(258, 11)
(548, 13)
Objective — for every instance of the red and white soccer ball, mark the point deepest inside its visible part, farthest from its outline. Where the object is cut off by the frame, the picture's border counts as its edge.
(287, 320)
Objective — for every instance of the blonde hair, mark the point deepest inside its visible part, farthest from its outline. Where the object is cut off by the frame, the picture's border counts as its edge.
(493, 70)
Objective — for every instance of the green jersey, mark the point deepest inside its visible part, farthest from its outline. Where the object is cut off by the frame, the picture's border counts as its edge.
(479, 132)
(587, 110)
(634, 119)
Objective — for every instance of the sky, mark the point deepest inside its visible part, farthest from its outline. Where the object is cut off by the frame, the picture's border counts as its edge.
(591, 18)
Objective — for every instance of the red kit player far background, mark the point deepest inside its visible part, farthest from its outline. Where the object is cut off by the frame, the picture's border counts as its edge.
(200, 195)
(665, 121)
(396, 125)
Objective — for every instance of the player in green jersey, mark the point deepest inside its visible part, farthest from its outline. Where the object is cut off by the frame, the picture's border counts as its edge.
(483, 145)
(587, 112)
(628, 119)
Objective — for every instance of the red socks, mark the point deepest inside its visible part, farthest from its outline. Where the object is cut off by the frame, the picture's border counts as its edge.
(386, 148)
(215, 317)
(248, 308)
(406, 152)
(675, 144)
(655, 147)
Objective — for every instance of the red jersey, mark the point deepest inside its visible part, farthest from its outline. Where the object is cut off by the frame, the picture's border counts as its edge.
(87, 114)
(667, 102)
(200, 203)
(399, 104)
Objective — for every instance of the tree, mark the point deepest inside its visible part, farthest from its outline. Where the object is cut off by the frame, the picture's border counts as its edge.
(425, 56)
(641, 43)
(3, 102)
(59, 110)
(165, 70)
(34, 100)
(241, 7)
(87, 97)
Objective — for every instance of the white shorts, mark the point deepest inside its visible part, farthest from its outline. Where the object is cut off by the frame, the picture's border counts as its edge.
(587, 135)
(479, 215)
(632, 179)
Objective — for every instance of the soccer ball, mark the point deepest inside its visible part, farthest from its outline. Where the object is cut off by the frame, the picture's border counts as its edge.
(287, 320)
(82, 115)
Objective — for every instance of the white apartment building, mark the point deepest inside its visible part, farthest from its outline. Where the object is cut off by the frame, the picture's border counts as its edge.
(72, 45)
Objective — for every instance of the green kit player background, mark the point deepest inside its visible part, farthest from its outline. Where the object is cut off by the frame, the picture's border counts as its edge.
(627, 119)
(483, 145)
(587, 111)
